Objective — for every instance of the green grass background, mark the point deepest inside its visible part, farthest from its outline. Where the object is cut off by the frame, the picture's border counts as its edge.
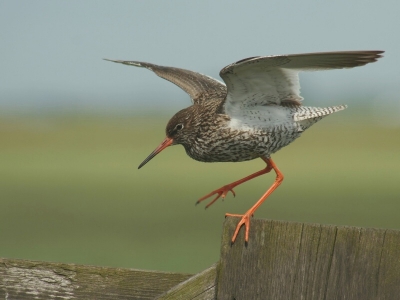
(70, 190)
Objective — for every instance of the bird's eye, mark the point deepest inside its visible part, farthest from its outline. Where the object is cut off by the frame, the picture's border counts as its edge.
(179, 126)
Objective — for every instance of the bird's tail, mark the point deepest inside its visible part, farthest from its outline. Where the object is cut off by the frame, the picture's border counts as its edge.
(307, 116)
(306, 112)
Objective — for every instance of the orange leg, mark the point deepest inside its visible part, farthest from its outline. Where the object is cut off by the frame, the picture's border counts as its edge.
(246, 217)
(223, 191)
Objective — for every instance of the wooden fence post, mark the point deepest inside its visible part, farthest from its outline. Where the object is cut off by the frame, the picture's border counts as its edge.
(287, 260)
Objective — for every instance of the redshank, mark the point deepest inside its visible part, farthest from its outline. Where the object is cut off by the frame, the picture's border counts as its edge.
(254, 114)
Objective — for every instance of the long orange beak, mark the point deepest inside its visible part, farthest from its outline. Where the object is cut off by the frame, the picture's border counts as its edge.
(165, 143)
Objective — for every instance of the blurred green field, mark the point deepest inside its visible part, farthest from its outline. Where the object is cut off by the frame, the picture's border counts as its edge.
(71, 192)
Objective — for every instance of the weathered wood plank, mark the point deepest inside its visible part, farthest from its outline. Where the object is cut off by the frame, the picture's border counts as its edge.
(199, 287)
(21, 279)
(287, 260)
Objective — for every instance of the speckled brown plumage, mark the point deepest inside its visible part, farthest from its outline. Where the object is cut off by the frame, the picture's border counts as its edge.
(255, 114)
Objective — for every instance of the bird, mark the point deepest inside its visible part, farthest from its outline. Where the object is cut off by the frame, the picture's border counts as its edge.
(253, 113)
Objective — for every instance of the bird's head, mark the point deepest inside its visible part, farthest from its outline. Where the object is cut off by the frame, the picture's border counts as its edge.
(178, 131)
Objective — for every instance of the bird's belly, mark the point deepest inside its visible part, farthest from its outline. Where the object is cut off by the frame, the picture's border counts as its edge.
(235, 146)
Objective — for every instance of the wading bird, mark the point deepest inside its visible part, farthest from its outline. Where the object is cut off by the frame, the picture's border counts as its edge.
(254, 114)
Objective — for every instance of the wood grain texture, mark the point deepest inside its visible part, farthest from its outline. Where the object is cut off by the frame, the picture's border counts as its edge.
(21, 279)
(286, 260)
(283, 260)
(199, 287)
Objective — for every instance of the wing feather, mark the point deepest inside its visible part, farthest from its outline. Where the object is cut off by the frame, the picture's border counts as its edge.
(199, 87)
(266, 80)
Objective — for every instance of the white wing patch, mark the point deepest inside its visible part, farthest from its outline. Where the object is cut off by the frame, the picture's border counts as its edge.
(290, 90)
(263, 86)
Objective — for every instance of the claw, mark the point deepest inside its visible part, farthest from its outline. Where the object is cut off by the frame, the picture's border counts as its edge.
(215, 199)
(245, 220)
(221, 193)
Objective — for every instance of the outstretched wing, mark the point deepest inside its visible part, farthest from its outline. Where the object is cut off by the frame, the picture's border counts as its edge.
(199, 87)
(265, 80)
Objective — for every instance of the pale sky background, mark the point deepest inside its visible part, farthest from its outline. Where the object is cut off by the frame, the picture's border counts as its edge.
(51, 51)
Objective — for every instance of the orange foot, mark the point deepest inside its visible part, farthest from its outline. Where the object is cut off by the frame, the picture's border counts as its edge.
(245, 220)
(221, 192)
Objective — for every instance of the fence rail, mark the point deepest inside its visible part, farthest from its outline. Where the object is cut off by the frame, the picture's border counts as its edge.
(283, 260)
(22, 279)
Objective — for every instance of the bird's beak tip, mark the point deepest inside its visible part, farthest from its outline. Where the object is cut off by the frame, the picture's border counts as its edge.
(167, 142)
